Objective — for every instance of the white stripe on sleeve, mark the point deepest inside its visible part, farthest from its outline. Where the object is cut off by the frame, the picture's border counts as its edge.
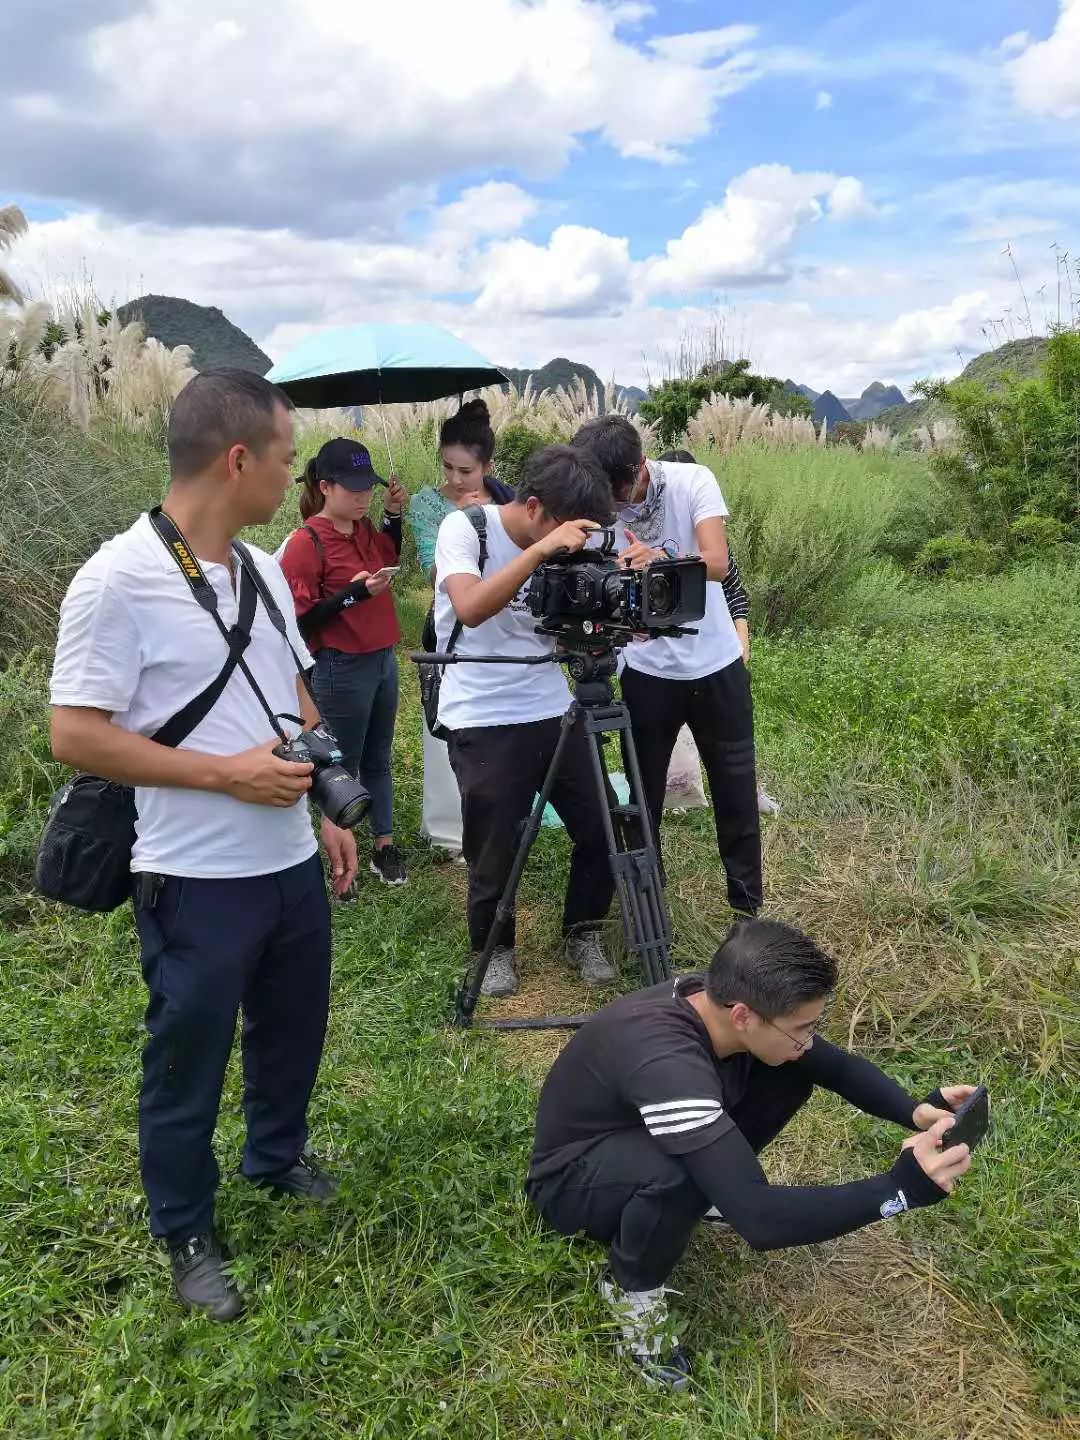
(676, 1117)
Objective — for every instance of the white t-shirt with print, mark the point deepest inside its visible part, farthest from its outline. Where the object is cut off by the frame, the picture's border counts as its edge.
(472, 695)
(134, 641)
(679, 497)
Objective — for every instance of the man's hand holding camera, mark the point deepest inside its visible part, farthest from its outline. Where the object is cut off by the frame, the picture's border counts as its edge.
(571, 535)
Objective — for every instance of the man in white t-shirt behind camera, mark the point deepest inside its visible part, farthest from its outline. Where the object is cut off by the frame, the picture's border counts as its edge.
(697, 680)
(504, 720)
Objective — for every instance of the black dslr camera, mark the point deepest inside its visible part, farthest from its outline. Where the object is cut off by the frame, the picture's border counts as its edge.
(340, 797)
(589, 593)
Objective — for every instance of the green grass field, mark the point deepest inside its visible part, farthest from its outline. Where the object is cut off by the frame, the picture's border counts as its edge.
(925, 745)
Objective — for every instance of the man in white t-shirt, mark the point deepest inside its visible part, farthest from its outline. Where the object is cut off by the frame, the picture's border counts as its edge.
(666, 510)
(230, 899)
(504, 720)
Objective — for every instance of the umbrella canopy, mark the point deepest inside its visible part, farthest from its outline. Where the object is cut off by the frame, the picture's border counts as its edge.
(381, 365)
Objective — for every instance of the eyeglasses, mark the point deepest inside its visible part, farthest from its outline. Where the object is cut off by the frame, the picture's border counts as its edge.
(800, 1044)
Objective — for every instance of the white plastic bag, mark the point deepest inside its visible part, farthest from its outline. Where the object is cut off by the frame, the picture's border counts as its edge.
(685, 789)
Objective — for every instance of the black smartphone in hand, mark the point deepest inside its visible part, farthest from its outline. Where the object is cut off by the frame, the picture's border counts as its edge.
(970, 1122)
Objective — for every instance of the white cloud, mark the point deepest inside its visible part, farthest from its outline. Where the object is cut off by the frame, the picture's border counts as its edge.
(1046, 74)
(748, 237)
(823, 100)
(494, 208)
(579, 271)
(700, 46)
(305, 112)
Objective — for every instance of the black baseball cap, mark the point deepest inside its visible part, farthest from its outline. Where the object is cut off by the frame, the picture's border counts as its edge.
(348, 463)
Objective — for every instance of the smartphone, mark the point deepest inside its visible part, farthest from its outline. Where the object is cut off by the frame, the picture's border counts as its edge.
(971, 1122)
(389, 571)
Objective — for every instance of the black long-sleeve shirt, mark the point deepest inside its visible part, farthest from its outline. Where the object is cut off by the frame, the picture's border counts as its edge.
(647, 1059)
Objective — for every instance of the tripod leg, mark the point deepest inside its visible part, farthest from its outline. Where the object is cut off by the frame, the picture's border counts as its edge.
(469, 989)
(637, 877)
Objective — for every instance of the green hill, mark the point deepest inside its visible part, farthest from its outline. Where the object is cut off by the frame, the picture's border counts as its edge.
(561, 371)
(213, 338)
(1023, 358)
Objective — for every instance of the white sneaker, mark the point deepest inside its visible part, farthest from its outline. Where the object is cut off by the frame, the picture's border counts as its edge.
(646, 1335)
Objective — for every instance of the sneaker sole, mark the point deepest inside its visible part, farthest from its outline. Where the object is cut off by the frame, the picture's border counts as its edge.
(378, 873)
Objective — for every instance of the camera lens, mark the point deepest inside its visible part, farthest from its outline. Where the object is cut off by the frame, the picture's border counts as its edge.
(341, 797)
(661, 595)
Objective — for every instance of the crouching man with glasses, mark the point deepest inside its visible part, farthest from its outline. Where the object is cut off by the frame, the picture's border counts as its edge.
(653, 1116)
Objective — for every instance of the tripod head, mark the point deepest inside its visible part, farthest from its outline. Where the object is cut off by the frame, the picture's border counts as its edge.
(590, 663)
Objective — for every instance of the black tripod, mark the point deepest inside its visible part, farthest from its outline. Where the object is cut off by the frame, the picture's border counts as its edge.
(630, 840)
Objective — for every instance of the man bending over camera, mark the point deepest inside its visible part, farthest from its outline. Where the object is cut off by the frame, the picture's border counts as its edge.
(504, 720)
(700, 680)
(653, 1116)
(230, 899)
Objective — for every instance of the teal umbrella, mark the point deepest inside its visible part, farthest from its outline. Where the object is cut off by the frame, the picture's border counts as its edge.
(381, 365)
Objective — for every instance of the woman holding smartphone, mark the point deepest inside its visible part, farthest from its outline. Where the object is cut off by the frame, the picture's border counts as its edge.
(466, 448)
(339, 568)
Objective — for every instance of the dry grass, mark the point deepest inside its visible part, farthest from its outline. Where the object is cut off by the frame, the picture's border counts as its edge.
(878, 1335)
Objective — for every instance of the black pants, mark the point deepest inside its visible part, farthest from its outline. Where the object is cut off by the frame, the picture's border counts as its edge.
(211, 948)
(499, 770)
(639, 1201)
(720, 714)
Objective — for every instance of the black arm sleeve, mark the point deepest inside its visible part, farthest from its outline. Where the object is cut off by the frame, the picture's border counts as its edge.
(325, 609)
(769, 1217)
(391, 525)
(861, 1083)
(738, 602)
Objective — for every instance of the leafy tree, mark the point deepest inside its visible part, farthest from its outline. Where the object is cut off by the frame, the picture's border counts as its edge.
(1017, 466)
(514, 443)
(671, 405)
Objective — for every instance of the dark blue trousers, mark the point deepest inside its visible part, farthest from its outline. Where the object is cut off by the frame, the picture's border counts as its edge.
(211, 949)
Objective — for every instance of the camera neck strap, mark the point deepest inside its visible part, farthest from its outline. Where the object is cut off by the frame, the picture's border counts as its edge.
(238, 637)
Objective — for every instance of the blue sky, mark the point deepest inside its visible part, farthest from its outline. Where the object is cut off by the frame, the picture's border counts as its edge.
(833, 184)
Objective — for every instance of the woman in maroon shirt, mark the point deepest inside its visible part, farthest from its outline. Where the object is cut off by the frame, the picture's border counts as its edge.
(335, 565)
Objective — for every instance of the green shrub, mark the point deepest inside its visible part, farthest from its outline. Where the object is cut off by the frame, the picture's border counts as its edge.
(1020, 446)
(806, 523)
(514, 443)
(64, 492)
(955, 554)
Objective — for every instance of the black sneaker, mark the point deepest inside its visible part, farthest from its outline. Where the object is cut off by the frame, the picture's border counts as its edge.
(646, 1337)
(200, 1278)
(386, 864)
(306, 1179)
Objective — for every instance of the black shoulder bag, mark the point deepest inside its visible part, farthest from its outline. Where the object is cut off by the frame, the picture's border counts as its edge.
(84, 857)
(431, 675)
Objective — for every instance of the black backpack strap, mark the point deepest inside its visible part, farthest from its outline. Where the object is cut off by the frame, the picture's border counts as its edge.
(478, 520)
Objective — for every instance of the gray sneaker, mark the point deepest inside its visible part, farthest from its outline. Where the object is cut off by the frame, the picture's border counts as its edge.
(501, 979)
(585, 954)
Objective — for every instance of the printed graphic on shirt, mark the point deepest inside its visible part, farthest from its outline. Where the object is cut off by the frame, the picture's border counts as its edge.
(676, 1117)
(648, 520)
(896, 1205)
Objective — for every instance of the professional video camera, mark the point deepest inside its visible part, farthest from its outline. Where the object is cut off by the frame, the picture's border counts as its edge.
(590, 593)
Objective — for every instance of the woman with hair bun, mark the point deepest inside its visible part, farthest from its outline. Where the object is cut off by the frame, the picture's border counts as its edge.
(466, 451)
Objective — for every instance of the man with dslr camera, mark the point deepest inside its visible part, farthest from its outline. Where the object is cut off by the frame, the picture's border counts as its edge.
(652, 1118)
(666, 510)
(504, 720)
(230, 898)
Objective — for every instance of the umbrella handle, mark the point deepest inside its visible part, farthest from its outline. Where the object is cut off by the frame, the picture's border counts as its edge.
(386, 438)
